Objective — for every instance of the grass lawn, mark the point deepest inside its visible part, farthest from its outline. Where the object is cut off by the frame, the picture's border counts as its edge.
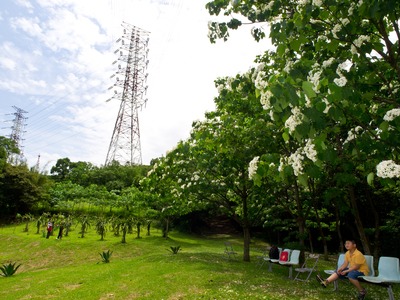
(143, 269)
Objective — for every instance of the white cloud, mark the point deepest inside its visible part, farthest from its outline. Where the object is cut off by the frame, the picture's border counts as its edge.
(7, 63)
(24, 3)
(64, 65)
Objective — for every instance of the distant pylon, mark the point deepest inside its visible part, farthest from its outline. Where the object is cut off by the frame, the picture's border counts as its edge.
(17, 130)
(125, 142)
(38, 163)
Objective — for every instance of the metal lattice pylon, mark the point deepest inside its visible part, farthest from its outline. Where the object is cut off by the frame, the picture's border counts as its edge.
(17, 131)
(125, 142)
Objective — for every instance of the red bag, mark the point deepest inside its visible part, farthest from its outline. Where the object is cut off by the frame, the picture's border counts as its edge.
(284, 256)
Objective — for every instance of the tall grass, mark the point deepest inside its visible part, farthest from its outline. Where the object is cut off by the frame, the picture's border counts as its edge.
(143, 269)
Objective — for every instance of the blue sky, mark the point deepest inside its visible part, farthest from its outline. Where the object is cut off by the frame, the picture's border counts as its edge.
(56, 61)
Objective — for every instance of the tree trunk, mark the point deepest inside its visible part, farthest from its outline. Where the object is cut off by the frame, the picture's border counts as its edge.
(246, 241)
(321, 232)
(360, 227)
(148, 228)
(301, 220)
(341, 246)
(123, 235)
(377, 221)
(138, 231)
(166, 230)
(310, 238)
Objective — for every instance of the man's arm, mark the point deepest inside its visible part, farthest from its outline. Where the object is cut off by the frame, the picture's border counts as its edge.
(342, 267)
(356, 267)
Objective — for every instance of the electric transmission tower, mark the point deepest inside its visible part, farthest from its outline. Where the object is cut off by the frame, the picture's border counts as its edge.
(17, 130)
(130, 89)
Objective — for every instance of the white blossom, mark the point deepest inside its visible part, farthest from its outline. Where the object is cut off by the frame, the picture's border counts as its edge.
(253, 165)
(296, 161)
(392, 114)
(336, 29)
(328, 62)
(265, 99)
(317, 3)
(309, 151)
(388, 169)
(294, 120)
(362, 38)
(340, 81)
(260, 82)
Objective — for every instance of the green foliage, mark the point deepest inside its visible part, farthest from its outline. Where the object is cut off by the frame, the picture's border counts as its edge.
(9, 269)
(174, 249)
(105, 256)
(19, 191)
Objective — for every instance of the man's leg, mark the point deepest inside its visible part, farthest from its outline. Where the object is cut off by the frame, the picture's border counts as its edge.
(324, 282)
(353, 277)
(356, 283)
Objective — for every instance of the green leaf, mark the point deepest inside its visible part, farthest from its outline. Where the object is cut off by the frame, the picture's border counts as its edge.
(384, 126)
(370, 178)
(281, 49)
(285, 136)
(308, 89)
(303, 178)
(295, 45)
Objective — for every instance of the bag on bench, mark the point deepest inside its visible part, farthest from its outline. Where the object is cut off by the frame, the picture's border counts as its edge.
(274, 252)
(284, 256)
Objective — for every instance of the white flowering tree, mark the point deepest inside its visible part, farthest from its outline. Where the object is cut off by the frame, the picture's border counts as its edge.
(333, 84)
(161, 185)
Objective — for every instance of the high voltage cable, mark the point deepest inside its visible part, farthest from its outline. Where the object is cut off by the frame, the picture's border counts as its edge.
(68, 137)
(59, 126)
(62, 106)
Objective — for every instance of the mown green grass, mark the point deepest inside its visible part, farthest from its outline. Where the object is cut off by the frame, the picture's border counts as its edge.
(144, 269)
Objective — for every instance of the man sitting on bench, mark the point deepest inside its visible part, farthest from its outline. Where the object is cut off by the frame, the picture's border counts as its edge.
(354, 266)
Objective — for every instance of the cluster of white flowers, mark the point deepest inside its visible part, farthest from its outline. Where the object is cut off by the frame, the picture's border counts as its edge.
(388, 169)
(296, 161)
(344, 21)
(374, 108)
(309, 151)
(289, 65)
(392, 114)
(265, 97)
(352, 134)
(260, 82)
(294, 120)
(328, 105)
(317, 3)
(301, 5)
(269, 6)
(351, 8)
(342, 80)
(336, 29)
(358, 42)
(253, 165)
(328, 62)
(257, 70)
(313, 77)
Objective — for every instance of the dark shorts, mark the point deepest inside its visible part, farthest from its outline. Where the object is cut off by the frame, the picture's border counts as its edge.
(351, 275)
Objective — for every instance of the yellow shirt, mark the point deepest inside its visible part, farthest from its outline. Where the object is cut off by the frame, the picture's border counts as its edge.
(357, 258)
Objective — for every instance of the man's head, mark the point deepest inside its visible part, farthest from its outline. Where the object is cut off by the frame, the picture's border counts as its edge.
(350, 244)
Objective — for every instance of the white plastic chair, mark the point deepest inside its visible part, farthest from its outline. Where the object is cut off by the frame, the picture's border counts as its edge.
(294, 260)
(330, 272)
(269, 259)
(389, 273)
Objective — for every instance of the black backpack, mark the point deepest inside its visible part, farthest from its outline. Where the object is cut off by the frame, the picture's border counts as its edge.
(274, 252)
